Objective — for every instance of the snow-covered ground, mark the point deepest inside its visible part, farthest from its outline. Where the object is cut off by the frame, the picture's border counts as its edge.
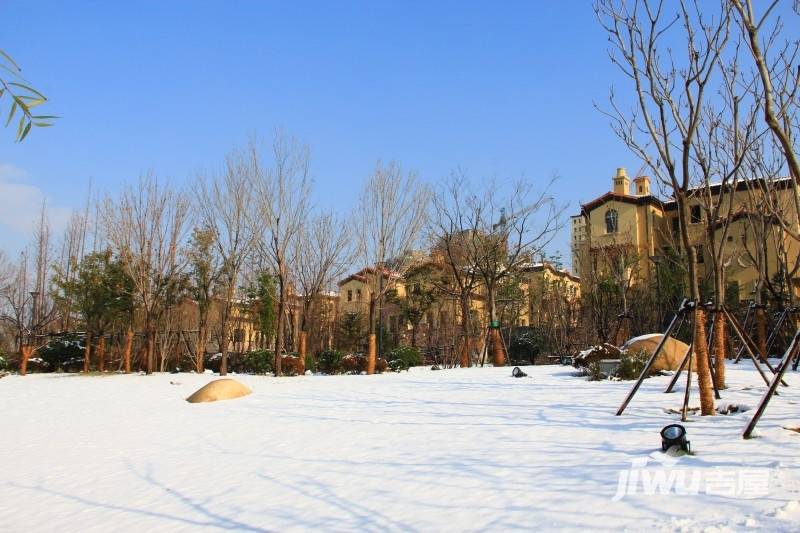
(464, 449)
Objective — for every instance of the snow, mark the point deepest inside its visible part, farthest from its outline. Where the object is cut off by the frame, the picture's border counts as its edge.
(465, 449)
(641, 338)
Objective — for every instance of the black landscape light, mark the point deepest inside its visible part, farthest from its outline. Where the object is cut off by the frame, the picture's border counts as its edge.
(674, 435)
(517, 373)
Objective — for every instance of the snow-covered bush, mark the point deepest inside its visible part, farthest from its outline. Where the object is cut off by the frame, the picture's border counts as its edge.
(61, 355)
(3, 362)
(524, 347)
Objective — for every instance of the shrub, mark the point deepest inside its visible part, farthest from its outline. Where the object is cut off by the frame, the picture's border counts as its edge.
(329, 362)
(61, 355)
(631, 364)
(289, 365)
(255, 362)
(524, 347)
(354, 363)
(311, 363)
(592, 371)
(404, 357)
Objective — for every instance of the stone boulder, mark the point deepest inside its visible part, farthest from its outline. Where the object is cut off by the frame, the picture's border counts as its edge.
(220, 389)
(671, 354)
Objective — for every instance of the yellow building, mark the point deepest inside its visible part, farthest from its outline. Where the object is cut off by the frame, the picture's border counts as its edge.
(628, 230)
(355, 292)
(553, 294)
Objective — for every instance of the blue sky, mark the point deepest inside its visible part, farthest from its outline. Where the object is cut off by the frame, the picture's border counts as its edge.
(501, 89)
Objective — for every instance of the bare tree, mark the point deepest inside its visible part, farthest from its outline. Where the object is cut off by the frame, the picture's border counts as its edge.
(322, 252)
(509, 229)
(775, 60)
(450, 227)
(620, 262)
(724, 138)
(284, 189)
(228, 208)
(27, 306)
(670, 97)
(768, 208)
(391, 215)
(205, 269)
(145, 225)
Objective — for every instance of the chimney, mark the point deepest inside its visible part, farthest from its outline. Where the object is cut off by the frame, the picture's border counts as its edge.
(622, 185)
(641, 186)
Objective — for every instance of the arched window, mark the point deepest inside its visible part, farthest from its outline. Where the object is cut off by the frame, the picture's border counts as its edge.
(611, 221)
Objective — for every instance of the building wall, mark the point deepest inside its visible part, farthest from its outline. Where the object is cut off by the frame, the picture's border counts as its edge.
(649, 228)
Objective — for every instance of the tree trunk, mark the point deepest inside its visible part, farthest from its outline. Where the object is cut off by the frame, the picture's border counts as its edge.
(200, 351)
(279, 337)
(761, 333)
(703, 371)
(301, 353)
(101, 352)
(498, 353)
(223, 366)
(700, 342)
(87, 353)
(25, 354)
(371, 353)
(150, 350)
(720, 348)
(126, 354)
(623, 330)
(465, 352)
(466, 360)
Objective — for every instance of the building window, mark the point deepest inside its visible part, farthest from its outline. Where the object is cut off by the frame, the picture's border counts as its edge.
(358, 295)
(611, 221)
(676, 226)
(696, 215)
(349, 296)
(238, 335)
(698, 250)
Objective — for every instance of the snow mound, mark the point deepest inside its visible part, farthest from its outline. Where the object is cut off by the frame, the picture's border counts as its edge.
(220, 389)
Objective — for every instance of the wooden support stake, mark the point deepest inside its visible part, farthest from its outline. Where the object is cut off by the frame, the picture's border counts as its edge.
(791, 351)
(674, 379)
(744, 338)
(684, 306)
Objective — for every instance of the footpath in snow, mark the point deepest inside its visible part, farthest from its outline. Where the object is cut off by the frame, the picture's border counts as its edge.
(464, 449)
